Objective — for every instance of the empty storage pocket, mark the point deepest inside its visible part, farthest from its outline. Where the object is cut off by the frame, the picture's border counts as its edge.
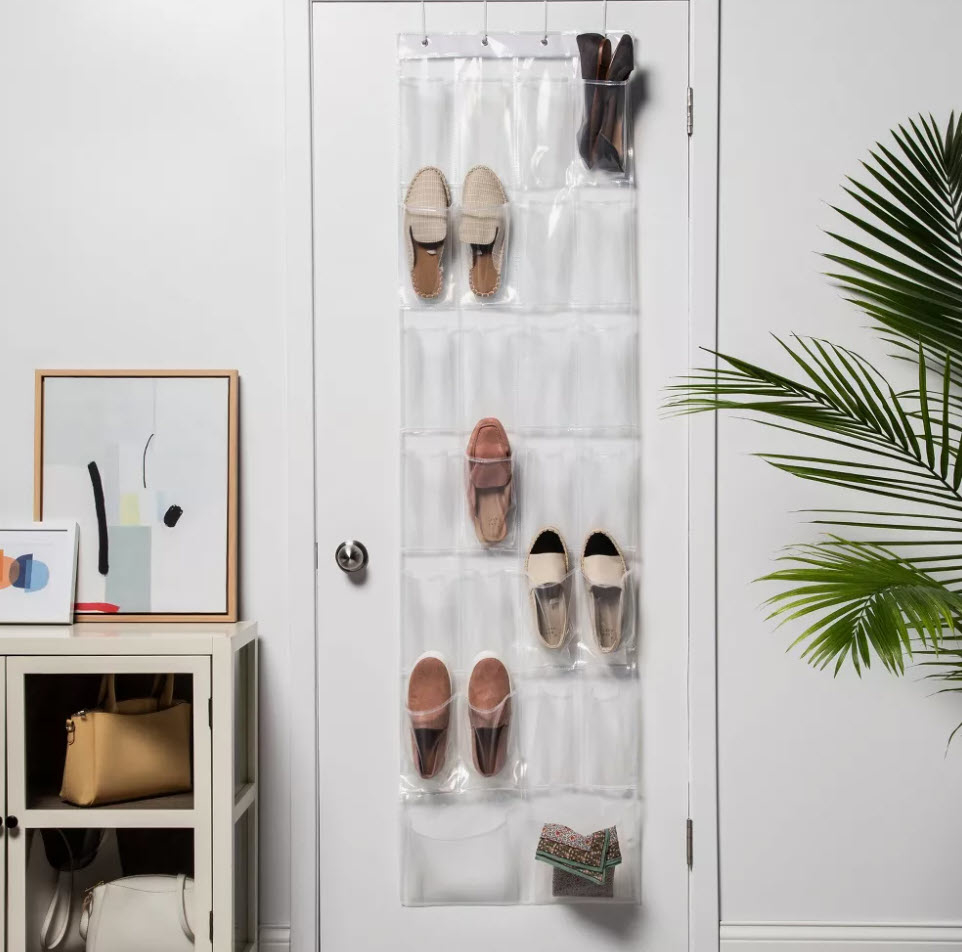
(549, 371)
(545, 249)
(550, 735)
(430, 370)
(490, 344)
(608, 372)
(431, 494)
(611, 728)
(605, 263)
(546, 131)
(459, 853)
(426, 130)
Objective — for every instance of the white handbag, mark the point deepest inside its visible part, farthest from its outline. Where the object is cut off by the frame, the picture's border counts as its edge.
(146, 913)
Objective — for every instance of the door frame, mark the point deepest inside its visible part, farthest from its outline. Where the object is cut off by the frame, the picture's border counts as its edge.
(704, 39)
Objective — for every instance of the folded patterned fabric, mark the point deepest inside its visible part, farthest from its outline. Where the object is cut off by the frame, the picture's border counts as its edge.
(589, 857)
(565, 884)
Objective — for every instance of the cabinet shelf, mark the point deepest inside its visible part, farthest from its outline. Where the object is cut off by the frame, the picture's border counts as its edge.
(47, 810)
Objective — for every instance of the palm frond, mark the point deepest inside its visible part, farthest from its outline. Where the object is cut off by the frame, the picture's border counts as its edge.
(868, 600)
(906, 271)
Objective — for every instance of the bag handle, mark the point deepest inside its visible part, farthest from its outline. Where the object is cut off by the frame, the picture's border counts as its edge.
(108, 692)
(55, 923)
(182, 906)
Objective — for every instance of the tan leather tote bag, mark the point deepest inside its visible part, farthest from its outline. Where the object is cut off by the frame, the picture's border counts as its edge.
(127, 750)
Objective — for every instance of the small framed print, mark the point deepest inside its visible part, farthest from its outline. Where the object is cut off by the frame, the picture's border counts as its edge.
(146, 463)
(38, 573)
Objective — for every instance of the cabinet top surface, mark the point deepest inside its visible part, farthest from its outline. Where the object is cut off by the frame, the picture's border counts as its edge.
(139, 638)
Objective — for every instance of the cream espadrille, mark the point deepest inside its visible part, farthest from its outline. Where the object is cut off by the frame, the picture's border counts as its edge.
(484, 221)
(425, 229)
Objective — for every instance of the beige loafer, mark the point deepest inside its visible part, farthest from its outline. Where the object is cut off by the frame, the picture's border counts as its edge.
(425, 230)
(489, 713)
(547, 569)
(429, 710)
(484, 223)
(604, 569)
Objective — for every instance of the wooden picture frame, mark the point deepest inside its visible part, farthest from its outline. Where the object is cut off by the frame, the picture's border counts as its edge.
(112, 613)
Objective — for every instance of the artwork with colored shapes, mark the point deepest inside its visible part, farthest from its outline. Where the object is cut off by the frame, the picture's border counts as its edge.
(38, 568)
(146, 466)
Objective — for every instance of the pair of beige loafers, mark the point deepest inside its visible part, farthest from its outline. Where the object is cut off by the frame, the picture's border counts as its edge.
(430, 693)
(548, 570)
(483, 228)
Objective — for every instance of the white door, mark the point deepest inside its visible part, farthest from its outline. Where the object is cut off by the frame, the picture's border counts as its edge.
(357, 359)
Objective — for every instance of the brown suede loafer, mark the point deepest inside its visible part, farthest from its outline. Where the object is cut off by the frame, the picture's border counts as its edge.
(429, 708)
(489, 713)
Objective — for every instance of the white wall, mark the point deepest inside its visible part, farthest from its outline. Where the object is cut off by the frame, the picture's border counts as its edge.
(142, 225)
(837, 802)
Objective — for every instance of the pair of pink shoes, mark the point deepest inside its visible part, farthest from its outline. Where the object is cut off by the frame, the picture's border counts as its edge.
(430, 693)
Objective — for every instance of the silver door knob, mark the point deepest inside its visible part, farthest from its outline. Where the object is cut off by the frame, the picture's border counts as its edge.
(351, 556)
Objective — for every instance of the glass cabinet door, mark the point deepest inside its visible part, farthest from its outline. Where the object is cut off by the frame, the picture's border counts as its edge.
(133, 734)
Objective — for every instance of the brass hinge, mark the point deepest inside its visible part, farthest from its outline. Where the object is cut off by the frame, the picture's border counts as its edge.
(688, 842)
(690, 112)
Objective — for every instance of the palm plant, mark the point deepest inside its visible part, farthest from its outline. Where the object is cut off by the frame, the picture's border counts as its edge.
(896, 590)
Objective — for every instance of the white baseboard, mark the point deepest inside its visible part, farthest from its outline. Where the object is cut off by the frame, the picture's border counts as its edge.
(840, 937)
(274, 939)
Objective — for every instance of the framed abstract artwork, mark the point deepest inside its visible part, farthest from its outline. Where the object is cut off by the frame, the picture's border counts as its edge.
(38, 573)
(145, 462)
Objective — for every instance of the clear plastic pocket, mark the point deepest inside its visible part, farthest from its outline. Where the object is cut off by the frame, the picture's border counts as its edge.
(546, 131)
(431, 495)
(550, 621)
(430, 599)
(551, 490)
(426, 130)
(490, 354)
(490, 746)
(463, 853)
(550, 734)
(608, 620)
(612, 731)
(430, 761)
(431, 355)
(585, 814)
(608, 372)
(486, 120)
(603, 133)
(605, 263)
(485, 255)
(426, 247)
(490, 488)
(610, 490)
(549, 372)
(546, 249)
(489, 601)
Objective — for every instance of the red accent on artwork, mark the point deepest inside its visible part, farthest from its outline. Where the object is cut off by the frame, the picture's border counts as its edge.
(106, 607)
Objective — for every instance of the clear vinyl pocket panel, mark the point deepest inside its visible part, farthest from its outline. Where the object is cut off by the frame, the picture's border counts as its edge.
(460, 852)
(520, 448)
(604, 139)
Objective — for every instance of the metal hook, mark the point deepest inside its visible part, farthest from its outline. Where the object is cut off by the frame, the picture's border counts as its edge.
(604, 24)
(424, 22)
(544, 39)
(484, 38)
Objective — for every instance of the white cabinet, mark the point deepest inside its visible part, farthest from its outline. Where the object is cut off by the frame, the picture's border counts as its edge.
(209, 833)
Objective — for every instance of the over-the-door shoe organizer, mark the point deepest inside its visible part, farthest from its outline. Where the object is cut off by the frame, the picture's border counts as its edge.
(543, 340)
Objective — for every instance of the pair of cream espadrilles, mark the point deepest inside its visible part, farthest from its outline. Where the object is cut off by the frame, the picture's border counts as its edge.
(483, 227)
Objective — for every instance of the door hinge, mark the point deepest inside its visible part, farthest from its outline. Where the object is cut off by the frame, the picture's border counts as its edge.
(212, 926)
(690, 110)
(315, 557)
(688, 842)
(210, 713)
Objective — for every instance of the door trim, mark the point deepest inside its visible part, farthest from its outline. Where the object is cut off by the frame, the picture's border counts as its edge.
(301, 518)
(703, 882)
